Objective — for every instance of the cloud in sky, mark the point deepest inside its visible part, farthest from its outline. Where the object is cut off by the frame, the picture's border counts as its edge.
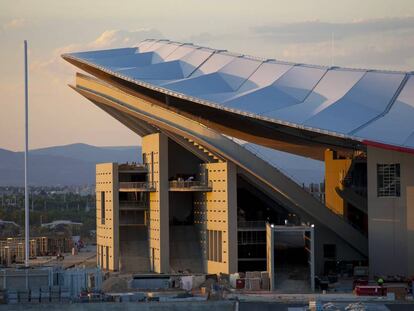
(123, 38)
(57, 68)
(317, 31)
(15, 23)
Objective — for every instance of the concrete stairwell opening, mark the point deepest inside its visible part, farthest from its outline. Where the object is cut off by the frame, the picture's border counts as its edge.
(185, 249)
(133, 249)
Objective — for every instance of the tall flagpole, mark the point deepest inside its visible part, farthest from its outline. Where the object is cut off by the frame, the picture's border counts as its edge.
(26, 155)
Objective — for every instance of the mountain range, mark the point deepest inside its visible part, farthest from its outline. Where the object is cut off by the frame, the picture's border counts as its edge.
(75, 164)
(61, 165)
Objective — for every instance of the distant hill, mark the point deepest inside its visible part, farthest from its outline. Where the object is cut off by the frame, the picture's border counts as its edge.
(75, 164)
(61, 165)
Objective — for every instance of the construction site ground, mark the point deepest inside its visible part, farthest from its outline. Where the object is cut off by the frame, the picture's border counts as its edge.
(85, 257)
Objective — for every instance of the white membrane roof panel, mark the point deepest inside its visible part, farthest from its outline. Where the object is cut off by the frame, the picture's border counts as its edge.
(180, 52)
(226, 79)
(234, 74)
(263, 76)
(356, 104)
(213, 64)
(145, 46)
(289, 89)
(397, 126)
(129, 60)
(332, 87)
(97, 55)
(166, 50)
(368, 98)
(155, 45)
(172, 70)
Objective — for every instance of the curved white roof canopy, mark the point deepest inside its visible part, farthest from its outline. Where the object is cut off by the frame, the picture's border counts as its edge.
(369, 106)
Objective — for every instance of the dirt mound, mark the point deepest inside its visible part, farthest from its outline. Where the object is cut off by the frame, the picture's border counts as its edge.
(115, 285)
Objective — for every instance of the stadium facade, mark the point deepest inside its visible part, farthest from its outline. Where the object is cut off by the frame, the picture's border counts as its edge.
(201, 196)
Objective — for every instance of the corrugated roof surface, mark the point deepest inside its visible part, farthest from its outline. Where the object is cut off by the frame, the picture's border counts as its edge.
(356, 103)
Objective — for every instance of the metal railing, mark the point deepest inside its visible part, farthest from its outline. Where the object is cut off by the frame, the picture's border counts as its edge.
(255, 224)
(190, 184)
(133, 205)
(141, 186)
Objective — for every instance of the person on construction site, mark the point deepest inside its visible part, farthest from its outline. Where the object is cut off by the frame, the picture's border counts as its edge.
(380, 281)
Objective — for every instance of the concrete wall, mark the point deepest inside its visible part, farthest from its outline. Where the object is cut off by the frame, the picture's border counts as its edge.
(155, 154)
(344, 251)
(107, 234)
(217, 211)
(335, 171)
(391, 219)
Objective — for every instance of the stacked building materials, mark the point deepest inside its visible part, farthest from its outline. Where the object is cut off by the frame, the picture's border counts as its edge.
(255, 280)
(252, 284)
(399, 290)
(265, 280)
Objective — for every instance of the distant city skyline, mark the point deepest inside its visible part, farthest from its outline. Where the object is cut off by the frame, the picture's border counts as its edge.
(371, 34)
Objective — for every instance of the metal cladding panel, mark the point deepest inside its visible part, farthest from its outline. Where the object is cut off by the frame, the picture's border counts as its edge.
(356, 104)
(397, 126)
(364, 102)
(332, 87)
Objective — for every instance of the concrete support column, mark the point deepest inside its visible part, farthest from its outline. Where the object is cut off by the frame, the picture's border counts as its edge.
(219, 209)
(155, 155)
(107, 216)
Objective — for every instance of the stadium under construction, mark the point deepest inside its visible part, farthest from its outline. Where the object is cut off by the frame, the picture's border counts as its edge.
(203, 194)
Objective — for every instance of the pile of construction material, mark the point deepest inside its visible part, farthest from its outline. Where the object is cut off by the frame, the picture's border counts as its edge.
(251, 280)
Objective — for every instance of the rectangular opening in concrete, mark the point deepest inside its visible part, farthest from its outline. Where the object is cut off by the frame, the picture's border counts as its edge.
(290, 255)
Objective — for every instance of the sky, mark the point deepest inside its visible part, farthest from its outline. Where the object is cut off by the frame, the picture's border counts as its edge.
(352, 33)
